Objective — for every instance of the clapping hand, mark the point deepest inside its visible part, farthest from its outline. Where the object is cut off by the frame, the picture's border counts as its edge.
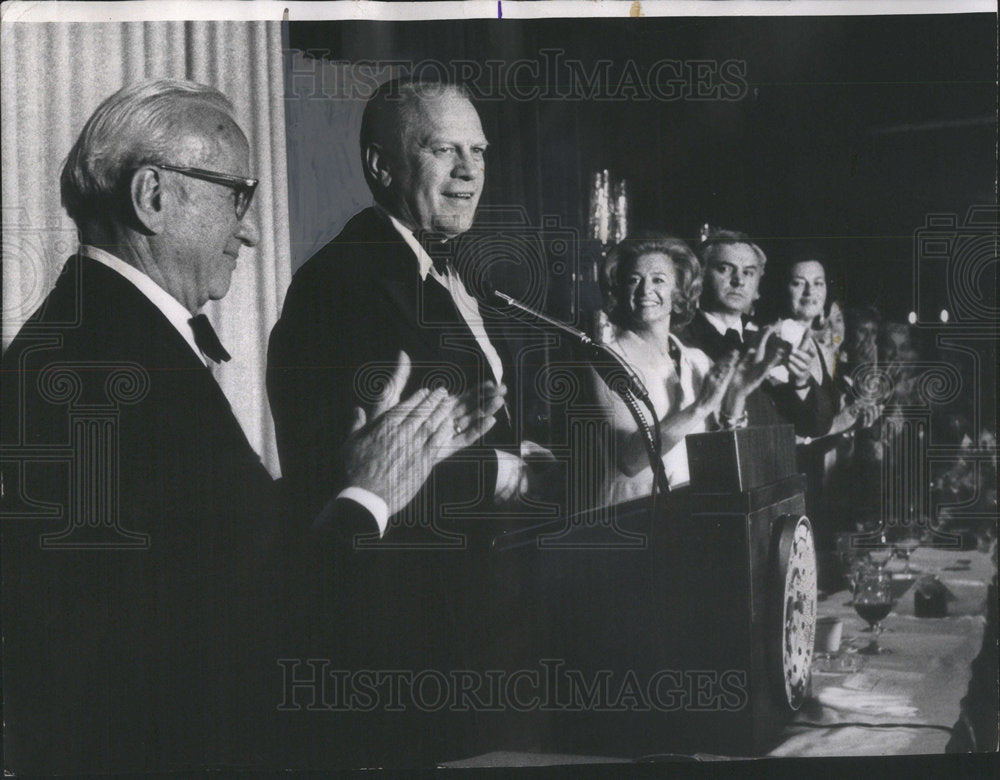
(866, 414)
(713, 388)
(757, 363)
(800, 360)
(751, 370)
(392, 452)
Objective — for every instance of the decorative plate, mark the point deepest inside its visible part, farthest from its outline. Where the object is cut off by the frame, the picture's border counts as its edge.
(795, 585)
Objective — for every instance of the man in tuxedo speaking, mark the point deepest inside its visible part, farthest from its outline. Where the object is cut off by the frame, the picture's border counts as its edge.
(389, 282)
(146, 550)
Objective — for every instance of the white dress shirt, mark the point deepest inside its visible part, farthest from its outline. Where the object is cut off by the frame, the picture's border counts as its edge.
(717, 322)
(172, 309)
(464, 302)
(511, 476)
(179, 317)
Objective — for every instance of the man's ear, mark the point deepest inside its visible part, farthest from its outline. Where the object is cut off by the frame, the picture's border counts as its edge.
(146, 199)
(377, 165)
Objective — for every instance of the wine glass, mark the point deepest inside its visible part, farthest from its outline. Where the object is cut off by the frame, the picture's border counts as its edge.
(879, 550)
(905, 545)
(873, 601)
(853, 569)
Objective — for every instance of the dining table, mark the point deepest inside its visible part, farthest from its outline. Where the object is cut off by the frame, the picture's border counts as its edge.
(907, 701)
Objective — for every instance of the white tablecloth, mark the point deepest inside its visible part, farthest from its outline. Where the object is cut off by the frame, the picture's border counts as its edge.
(921, 683)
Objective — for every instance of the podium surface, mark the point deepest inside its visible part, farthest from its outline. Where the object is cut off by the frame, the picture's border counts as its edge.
(681, 628)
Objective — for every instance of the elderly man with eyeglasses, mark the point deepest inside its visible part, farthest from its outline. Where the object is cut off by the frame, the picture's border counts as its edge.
(146, 550)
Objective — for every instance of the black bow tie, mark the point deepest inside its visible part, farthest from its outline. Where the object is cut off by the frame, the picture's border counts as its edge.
(733, 339)
(207, 339)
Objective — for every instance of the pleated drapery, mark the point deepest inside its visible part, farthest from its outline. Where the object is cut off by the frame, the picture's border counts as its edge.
(53, 77)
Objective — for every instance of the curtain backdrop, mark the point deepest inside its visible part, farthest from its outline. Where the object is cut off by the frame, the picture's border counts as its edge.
(54, 75)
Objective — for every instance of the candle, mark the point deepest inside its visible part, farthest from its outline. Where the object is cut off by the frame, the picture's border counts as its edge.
(620, 212)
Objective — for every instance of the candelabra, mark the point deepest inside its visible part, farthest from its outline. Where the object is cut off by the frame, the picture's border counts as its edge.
(607, 223)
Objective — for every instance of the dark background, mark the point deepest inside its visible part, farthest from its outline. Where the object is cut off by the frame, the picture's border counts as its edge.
(851, 132)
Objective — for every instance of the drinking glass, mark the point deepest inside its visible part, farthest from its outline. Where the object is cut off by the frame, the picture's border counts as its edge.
(855, 566)
(880, 550)
(905, 545)
(873, 601)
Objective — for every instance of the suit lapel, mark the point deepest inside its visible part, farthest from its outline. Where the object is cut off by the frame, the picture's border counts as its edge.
(707, 338)
(425, 307)
(147, 332)
(135, 317)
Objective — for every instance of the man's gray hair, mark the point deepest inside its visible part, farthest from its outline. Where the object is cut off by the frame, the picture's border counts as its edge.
(139, 124)
(718, 238)
(390, 110)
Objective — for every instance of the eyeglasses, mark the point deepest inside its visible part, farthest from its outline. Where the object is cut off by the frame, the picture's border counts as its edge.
(243, 186)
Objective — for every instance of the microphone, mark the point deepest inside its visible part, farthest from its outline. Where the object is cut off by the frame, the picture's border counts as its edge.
(616, 374)
(609, 365)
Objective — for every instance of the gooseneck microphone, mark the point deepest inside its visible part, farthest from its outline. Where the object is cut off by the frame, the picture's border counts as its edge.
(617, 374)
(609, 365)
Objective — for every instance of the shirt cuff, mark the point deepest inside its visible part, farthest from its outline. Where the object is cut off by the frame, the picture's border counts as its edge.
(509, 467)
(374, 504)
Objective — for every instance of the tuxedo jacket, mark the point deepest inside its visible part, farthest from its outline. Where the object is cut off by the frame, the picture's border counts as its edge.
(419, 597)
(143, 543)
(348, 312)
(700, 333)
(771, 404)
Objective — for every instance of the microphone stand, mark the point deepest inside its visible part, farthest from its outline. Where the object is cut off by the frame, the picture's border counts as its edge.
(620, 379)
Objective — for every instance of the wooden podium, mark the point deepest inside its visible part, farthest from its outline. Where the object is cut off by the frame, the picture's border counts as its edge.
(681, 631)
